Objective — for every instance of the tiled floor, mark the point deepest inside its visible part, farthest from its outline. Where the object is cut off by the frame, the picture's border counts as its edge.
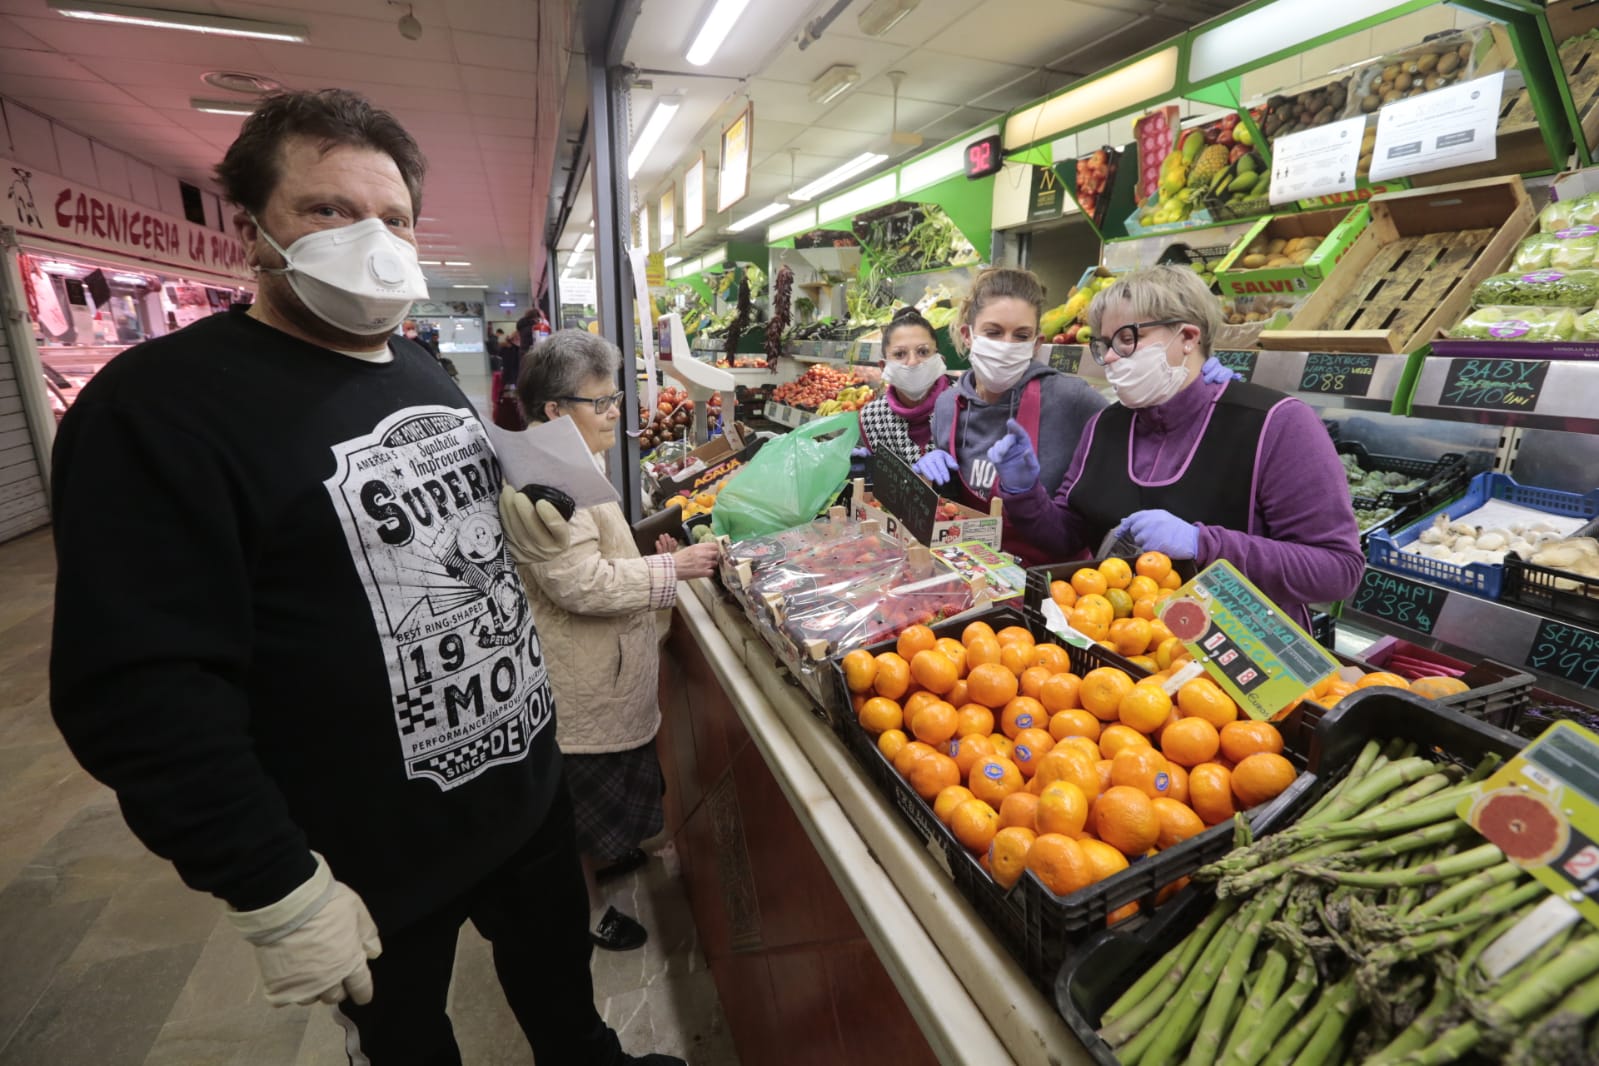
(106, 959)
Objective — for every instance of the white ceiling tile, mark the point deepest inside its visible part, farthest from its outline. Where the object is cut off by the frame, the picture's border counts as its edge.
(42, 63)
(505, 127)
(930, 18)
(947, 78)
(491, 142)
(76, 155)
(28, 88)
(989, 31)
(870, 57)
(781, 100)
(339, 68)
(499, 106)
(31, 142)
(497, 82)
(499, 52)
(371, 31)
(518, 20)
(141, 184)
(866, 113)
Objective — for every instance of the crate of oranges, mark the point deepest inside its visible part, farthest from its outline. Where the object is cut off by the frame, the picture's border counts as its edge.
(1061, 800)
(1115, 601)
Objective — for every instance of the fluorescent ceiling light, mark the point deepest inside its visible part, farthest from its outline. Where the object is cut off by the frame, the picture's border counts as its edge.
(673, 260)
(457, 263)
(1151, 78)
(863, 162)
(428, 262)
(879, 190)
(166, 19)
(582, 244)
(222, 107)
(755, 218)
(714, 31)
(880, 16)
(1286, 25)
(665, 110)
(798, 222)
(833, 82)
(479, 285)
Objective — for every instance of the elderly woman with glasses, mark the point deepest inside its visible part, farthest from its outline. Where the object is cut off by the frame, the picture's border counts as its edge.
(595, 601)
(1196, 470)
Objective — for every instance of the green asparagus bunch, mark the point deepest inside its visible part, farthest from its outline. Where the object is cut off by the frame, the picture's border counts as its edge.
(1356, 936)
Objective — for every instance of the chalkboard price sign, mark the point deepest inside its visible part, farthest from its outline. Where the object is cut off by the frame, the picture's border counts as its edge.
(1338, 373)
(1066, 358)
(903, 494)
(1566, 651)
(1242, 362)
(1411, 604)
(1496, 384)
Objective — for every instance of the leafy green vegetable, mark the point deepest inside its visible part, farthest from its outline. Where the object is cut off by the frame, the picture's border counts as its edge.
(1518, 324)
(1541, 288)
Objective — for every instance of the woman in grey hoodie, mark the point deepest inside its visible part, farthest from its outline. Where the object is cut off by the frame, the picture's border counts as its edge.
(998, 331)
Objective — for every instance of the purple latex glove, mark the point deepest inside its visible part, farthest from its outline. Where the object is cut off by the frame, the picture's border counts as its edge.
(1013, 456)
(936, 466)
(1216, 373)
(1162, 531)
(860, 453)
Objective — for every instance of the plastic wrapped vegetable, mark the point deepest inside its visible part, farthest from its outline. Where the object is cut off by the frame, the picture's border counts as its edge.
(1575, 249)
(1540, 288)
(1587, 327)
(1564, 214)
(1518, 324)
(1534, 252)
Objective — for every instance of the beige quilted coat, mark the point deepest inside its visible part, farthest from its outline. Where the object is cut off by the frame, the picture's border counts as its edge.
(594, 606)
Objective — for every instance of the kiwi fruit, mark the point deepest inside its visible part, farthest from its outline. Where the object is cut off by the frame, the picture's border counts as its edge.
(1464, 51)
(1390, 96)
(1432, 82)
(1448, 64)
(1426, 63)
(1370, 102)
(1403, 82)
(1390, 72)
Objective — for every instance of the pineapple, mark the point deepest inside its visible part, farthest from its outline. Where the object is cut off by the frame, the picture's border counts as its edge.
(1210, 163)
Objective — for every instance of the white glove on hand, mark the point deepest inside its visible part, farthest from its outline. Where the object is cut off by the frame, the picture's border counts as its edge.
(536, 532)
(314, 943)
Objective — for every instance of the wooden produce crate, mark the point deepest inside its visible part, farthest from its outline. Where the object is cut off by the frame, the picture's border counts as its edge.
(1579, 58)
(1409, 276)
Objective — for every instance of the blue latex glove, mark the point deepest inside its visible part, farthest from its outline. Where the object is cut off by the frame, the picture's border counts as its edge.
(936, 466)
(1013, 456)
(860, 453)
(1216, 373)
(1162, 531)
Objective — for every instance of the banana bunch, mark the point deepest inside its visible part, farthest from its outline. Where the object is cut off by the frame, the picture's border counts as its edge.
(850, 399)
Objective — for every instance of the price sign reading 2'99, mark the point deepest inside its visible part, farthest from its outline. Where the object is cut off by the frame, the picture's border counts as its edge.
(984, 157)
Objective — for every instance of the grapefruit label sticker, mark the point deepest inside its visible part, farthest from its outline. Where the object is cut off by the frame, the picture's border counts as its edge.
(1542, 810)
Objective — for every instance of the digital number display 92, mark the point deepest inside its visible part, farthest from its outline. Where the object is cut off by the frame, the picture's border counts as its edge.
(984, 157)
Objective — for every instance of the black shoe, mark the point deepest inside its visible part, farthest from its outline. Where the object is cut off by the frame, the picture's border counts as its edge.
(625, 865)
(618, 932)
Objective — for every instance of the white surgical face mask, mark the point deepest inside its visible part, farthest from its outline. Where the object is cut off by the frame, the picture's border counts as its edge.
(999, 364)
(912, 382)
(359, 278)
(1145, 378)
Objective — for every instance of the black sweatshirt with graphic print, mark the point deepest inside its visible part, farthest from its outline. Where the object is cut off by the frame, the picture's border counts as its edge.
(286, 619)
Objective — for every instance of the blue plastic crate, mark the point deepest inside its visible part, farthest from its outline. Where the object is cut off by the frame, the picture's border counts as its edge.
(1384, 549)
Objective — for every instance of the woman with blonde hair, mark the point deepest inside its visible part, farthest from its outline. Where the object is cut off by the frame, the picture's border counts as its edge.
(1195, 469)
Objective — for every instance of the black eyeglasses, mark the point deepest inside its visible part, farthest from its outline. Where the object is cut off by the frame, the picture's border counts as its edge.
(1125, 340)
(601, 404)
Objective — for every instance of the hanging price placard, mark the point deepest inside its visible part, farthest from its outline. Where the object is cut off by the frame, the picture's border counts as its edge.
(1412, 604)
(1337, 373)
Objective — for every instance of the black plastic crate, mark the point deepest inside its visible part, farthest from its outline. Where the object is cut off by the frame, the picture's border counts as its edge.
(1496, 695)
(1445, 478)
(1100, 970)
(1002, 909)
(1324, 629)
(1549, 590)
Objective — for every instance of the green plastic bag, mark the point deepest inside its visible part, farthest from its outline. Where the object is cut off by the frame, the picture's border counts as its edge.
(790, 480)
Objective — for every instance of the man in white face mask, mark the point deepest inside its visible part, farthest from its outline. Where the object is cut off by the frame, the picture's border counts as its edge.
(307, 667)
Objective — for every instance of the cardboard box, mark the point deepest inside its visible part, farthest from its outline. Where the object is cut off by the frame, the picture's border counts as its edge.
(708, 464)
(1410, 274)
(1337, 229)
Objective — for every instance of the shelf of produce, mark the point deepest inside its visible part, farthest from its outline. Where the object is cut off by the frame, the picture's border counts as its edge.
(784, 415)
(1562, 655)
(1560, 394)
(972, 1001)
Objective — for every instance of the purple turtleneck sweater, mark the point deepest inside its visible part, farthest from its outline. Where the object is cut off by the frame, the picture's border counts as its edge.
(1302, 545)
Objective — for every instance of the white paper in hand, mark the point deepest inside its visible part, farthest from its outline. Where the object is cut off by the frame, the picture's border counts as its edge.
(552, 453)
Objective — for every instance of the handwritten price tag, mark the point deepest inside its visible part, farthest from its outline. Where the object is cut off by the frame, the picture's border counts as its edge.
(1242, 362)
(1337, 374)
(1495, 384)
(1566, 651)
(1066, 358)
(1397, 599)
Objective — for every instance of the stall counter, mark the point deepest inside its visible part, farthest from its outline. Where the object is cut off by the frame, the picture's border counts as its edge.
(971, 1000)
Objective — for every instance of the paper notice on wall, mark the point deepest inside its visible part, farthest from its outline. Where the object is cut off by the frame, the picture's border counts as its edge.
(1316, 162)
(551, 453)
(1447, 127)
(638, 257)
